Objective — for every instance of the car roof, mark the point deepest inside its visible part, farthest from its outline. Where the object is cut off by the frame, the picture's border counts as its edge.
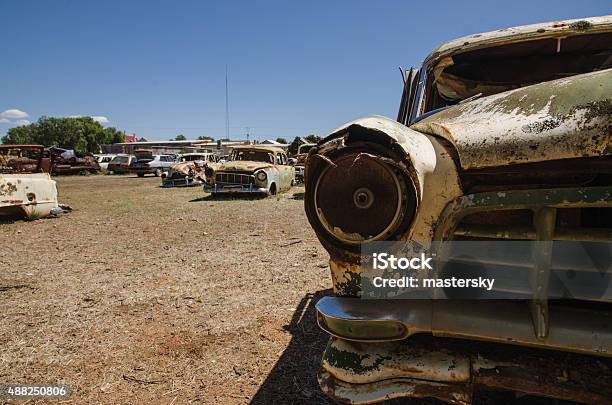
(261, 148)
(590, 25)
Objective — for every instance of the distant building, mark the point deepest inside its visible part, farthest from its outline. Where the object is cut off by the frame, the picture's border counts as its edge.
(159, 147)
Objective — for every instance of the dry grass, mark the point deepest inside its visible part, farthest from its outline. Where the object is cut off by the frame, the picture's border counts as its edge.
(163, 295)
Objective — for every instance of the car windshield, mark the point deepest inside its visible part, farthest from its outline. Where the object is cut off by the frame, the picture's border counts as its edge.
(253, 155)
(304, 148)
(120, 159)
(191, 158)
(486, 71)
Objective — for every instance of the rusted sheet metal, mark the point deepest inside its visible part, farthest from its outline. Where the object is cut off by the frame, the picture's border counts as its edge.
(30, 196)
(358, 364)
(560, 119)
(555, 29)
(513, 199)
(451, 370)
(393, 388)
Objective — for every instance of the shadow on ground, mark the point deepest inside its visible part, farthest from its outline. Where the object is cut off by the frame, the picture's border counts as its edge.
(293, 379)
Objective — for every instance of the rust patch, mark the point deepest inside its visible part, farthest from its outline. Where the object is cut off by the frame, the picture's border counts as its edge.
(8, 188)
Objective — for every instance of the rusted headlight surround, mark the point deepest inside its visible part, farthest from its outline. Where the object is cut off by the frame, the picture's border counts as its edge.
(359, 194)
(261, 176)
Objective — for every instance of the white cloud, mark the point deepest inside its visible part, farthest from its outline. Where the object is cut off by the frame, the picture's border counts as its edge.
(13, 114)
(4, 121)
(22, 122)
(100, 118)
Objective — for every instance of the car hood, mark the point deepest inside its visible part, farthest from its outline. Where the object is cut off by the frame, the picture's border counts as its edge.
(560, 119)
(242, 166)
(185, 167)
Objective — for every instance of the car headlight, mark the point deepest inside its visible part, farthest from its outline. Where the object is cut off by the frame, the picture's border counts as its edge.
(261, 176)
(359, 184)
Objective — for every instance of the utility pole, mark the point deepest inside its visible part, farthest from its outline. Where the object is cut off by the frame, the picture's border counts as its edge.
(247, 133)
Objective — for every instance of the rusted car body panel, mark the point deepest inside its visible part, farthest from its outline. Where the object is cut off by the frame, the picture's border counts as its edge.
(527, 160)
(451, 369)
(252, 176)
(561, 119)
(554, 29)
(25, 191)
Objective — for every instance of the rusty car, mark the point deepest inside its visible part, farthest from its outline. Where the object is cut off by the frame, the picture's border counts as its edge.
(26, 189)
(252, 169)
(68, 161)
(120, 164)
(190, 169)
(500, 136)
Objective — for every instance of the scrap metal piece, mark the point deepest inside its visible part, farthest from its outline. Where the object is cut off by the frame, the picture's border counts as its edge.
(26, 191)
(451, 370)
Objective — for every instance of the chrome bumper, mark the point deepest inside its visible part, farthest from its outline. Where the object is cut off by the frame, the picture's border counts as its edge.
(234, 189)
(181, 182)
(580, 330)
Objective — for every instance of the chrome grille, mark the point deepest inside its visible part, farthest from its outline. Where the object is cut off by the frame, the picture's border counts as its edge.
(234, 178)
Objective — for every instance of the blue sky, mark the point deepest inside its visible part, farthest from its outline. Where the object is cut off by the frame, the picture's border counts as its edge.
(157, 68)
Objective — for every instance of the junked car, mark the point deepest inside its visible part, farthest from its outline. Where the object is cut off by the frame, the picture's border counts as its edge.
(26, 189)
(148, 163)
(254, 169)
(300, 161)
(104, 160)
(68, 161)
(190, 169)
(500, 136)
(120, 164)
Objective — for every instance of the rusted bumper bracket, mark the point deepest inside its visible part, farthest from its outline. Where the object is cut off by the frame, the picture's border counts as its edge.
(452, 369)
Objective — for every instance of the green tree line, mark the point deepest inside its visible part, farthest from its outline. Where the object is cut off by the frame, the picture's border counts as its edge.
(82, 134)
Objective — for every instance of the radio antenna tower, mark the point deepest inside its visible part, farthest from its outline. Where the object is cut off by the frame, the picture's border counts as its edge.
(227, 126)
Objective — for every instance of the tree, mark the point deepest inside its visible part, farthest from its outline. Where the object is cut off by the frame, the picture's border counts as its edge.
(295, 144)
(82, 134)
(180, 137)
(312, 138)
(281, 140)
(206, 138)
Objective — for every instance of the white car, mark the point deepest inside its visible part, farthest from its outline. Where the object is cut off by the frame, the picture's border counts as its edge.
(104, 160)
(146, 162)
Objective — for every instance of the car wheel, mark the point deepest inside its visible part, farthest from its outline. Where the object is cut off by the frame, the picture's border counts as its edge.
(157, 172)
(140, 174)
(273, 189)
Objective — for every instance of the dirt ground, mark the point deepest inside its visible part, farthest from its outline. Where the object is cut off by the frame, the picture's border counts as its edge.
(144, 294)
(164, 295)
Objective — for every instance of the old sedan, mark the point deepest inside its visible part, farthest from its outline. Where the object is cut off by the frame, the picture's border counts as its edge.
(502, 139)
(252, 169)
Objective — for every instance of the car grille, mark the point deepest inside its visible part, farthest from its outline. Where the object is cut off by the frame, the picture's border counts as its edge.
(234, 178)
